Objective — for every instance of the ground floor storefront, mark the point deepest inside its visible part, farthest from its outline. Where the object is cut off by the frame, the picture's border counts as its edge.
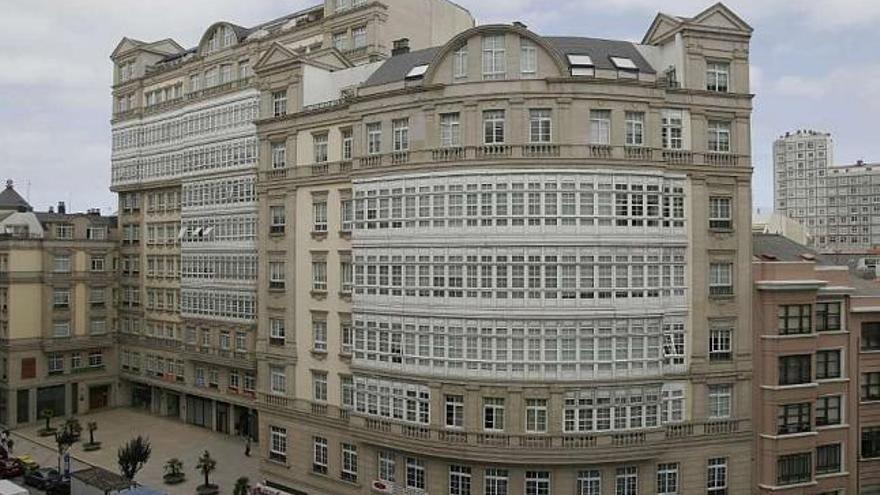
(25, 405)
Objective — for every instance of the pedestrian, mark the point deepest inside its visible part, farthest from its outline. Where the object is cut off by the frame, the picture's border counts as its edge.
(247, 447)
(9, 443)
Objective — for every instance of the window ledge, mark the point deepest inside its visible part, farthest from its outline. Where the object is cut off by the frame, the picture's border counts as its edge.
(319, 354)
(836, 474)
(774, 488)
(787, 436)
(318, 294)
(869, 459)
(869, 402)
(839, 426)
(345, 234)
(722, 297)
(869, 351)
(790, 387)
(833, 332)
(319, 236)
(833, 380)
(789, 336)
(277, 234)
(276, 462)
(722, 230)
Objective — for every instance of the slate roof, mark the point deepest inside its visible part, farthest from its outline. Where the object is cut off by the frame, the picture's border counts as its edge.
(775, 247)
(600, 51)
(397, 67)
(46, 217)
(11, 200)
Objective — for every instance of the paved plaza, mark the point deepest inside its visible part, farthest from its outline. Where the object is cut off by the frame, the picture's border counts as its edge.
(168, 437)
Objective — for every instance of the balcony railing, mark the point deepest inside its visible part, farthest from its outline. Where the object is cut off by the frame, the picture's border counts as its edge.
(493, 152)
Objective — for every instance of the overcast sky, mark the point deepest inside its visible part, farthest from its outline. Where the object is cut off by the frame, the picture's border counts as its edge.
(815, 64)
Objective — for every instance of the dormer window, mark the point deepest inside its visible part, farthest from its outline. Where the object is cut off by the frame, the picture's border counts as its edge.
(625, 67)
(581, 65)
(528, 60)
(460, 63)
(494, 57)
(417, 72)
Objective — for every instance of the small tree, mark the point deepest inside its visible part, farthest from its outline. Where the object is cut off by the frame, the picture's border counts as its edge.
(63, 439)
(133, 456)
(206, 466)
(47, 414)
(173, 471)
(92, 426)
(242, 485)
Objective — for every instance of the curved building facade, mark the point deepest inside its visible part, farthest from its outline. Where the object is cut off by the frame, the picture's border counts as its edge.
(510, 264)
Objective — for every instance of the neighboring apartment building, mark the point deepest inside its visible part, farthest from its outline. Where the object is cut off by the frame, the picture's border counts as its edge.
(817, 381)
(184, 153)
(57, 317)
(510, 264)
(838, 205)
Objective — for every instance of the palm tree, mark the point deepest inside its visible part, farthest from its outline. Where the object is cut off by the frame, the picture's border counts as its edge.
(206, 466)
(242, 485)
(133, 456)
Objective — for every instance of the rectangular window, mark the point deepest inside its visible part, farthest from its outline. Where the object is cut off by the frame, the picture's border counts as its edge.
(460, 63)
(387, 467)
(528, 60)
(319, 275)
(493, 127)
(667, 478)
(340, 41)
(589, 482)
(450, 130)
(319, 335)
(672, 129)
(540, 126)
(794, 468)
(319, 216)
(276, 331)
(795, 370)
(828, 459)
(626, 481)
(459, 480)
(277, 380)
(276, 275)
(61, 329)
(279, 155)
(374, 138)
(871, 386)
(720, 344)
(718, 76)
(793, 418)
(277, 219)
(828, 365)
(400, 134)
(635, 128)
(319, 386)
(278, 443)
(720, 213)
(721, 279)
(61, 264)
(870, 336)
(97, 264)
(415, 473)
(716, 476)
(720, 401)
(279, 103)
(493, 414)
(494, 57)
(600, 127)
(719, 136)
(828, 410)
(320, 147)
(454, 411)
(359, 37)
(795, 319)
(347, 144)
(828, 317)
(61, 298)
(320, 456)
(349, 463)
(55, 363)
(870, 442)
(538, 483)
(536, 415)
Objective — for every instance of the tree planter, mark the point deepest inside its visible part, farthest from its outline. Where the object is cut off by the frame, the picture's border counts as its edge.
(174, 479)
(91, 446)
(211, 489)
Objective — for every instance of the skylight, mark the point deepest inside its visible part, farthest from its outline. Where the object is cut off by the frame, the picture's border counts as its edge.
(417, 71)
(624, 63)
(580, 60)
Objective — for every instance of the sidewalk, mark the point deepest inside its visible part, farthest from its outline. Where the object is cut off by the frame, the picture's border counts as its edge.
(169, 438)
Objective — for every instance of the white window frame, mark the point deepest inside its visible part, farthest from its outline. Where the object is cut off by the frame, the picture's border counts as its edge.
(536, 415)
(374, 138)
(277, 380)
(716, 476)
(493, 413)
(279, 155)
(460, 63)
(528, 59)
(720, 401)
(540, 125)
(600, 127)
(668, 479)
(589, 482)
(720, 212)
(454, 411)
(319, 215)
(494, 123)
(721, 278)
(537, 483)
(400, 134)
(718, 77)
(450, 130)
(635, 128)
(494, 57)
(279, 103)
(277, 443)
(719, 136)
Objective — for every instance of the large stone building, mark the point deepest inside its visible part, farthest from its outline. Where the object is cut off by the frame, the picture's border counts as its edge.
(838, 205)
(185, 156)
(817, 376)
(408, 253)
(57, 317)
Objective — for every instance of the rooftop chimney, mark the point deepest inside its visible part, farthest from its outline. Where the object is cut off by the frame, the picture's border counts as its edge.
(51, 209)
(61, 208)
(520, 24)
(401, 46)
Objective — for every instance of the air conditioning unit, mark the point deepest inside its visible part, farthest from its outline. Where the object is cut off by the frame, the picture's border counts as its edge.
(380, 486)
